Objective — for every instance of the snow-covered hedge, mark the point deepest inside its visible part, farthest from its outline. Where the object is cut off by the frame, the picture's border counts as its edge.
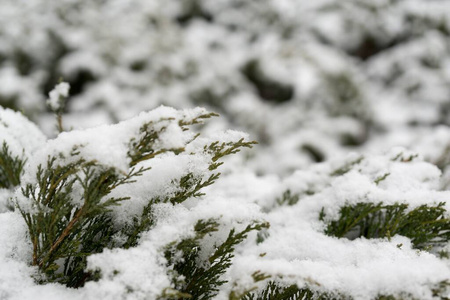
(133, 211)
(344, 197)
(309, 80)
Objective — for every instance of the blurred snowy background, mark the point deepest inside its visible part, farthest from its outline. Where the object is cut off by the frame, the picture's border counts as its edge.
(309, 80)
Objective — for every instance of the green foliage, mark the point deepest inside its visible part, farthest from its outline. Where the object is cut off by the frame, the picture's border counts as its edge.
(441, 290)
(188, 186)
(58, 109)
(268, 88)
(314, 152)
(257, 277)
(68, 214)
(196, 120)
(218, 150)
(275, 291)
(346, 167)
(11, 168)
(201, 280)
(426, 226)
(402, 157)
(145, 147)
(348, 97)
(288, 198)
(381, 178)
(62, 227)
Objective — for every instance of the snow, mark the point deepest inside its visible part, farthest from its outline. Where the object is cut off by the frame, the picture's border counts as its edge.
(359, 268)
(370, 84)
(297, 250)
(22, 136)
(138, 270)
(114, 140)
(57, 96)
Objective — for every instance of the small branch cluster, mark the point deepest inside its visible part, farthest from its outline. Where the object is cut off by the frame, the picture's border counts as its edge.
(68, 206)
(426, 226)
(201, 280)
(62, 227)
(11, 168)
(275, 291)
(57, 102)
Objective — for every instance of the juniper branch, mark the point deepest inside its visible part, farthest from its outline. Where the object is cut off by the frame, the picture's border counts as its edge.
(188, 186)
(11, 167)
(145, 147)
(197, 120)
(425, 225)
(60, 228)
(218, 150)
(203, 282)
(276, 291)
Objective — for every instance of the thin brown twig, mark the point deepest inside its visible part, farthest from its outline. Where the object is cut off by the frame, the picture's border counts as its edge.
(63, 235)
(59, 123)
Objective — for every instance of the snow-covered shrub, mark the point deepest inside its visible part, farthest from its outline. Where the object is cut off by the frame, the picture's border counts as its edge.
(275, 69)
(365, 227)
(309, 80)
(130, 211)
(105, 188)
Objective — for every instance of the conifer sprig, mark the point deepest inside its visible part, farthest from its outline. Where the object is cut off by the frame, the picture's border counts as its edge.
(346, 167)
(426, 226)
(191, 186)
(275, 291)
(68, 214)
(201, 280)
(196, 120)
(62, 227)
(11, 167)
(238, 295)
(145, 148)
(218, 150)
(57, 102)
(288, 198)
(187, 186)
